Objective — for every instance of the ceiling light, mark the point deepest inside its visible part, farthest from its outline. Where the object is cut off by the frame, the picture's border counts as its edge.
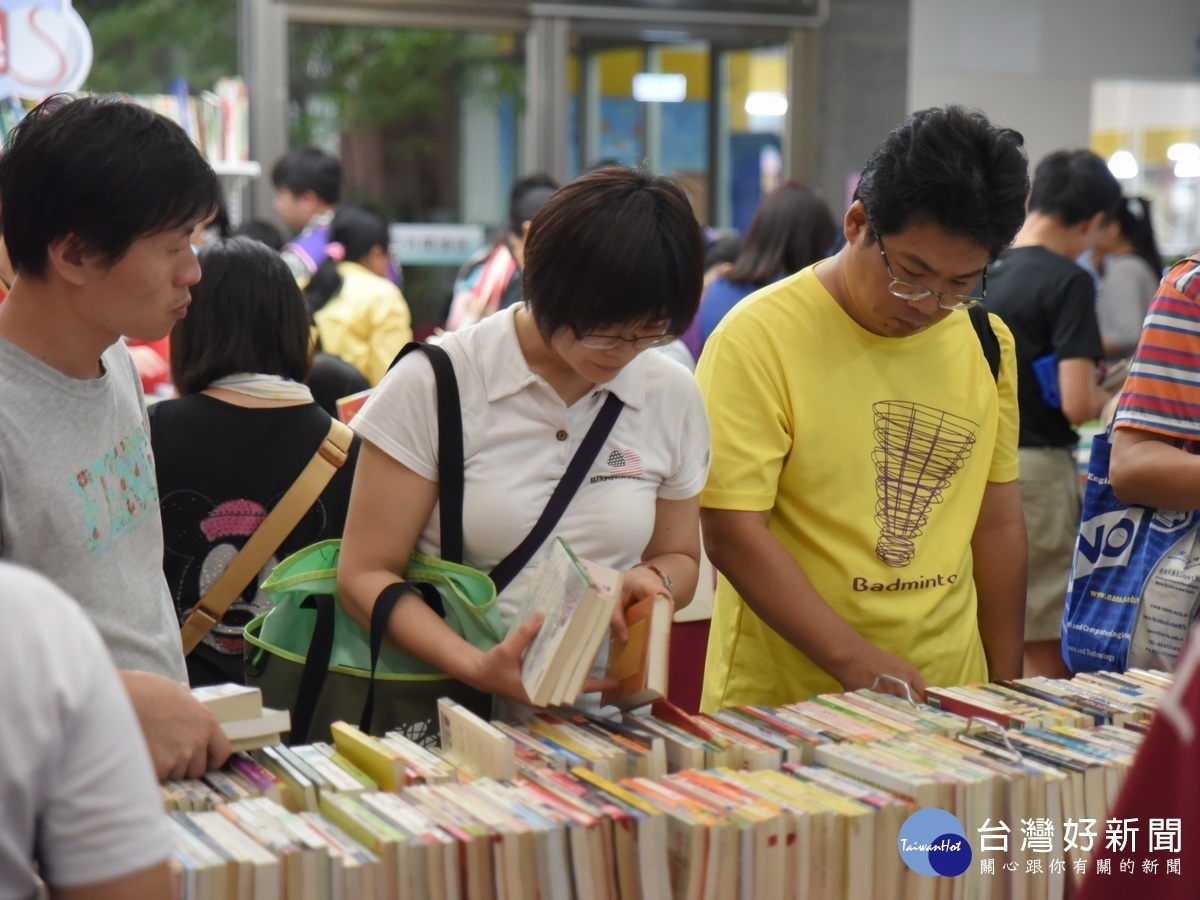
(766, 103)
(1123, 165)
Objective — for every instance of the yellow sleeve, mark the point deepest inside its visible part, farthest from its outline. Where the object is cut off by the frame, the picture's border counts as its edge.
(750, 421)
(390, 329)
(1004, 457)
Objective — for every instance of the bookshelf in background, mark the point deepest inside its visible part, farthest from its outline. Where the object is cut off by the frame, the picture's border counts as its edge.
(219, 122)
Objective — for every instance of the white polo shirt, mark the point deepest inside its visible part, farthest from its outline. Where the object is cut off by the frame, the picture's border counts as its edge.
(519, 436)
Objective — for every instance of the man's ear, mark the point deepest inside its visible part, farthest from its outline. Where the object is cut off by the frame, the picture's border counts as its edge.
(1091, 229)
(856, 222)
(309, 200)
(69, 260)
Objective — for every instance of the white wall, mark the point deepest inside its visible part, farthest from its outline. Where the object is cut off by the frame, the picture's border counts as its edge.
(1030, 64)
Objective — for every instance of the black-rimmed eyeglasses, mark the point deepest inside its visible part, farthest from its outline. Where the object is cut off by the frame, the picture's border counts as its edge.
(611, 341)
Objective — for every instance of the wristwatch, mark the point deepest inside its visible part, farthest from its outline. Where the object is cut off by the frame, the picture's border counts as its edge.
(663, 576)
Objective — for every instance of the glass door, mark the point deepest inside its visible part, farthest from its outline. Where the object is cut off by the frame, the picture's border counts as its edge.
(710, 116)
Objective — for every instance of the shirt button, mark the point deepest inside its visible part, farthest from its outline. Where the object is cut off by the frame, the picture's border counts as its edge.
(562, 435)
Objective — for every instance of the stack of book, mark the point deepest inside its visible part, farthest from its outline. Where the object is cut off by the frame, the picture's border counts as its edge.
(805, 801)
(245, 721)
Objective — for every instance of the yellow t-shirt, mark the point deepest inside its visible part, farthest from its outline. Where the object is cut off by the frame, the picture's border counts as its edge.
(366, 323)
(872, 454)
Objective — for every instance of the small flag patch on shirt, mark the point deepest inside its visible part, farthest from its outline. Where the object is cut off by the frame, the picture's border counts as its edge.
(626, 463)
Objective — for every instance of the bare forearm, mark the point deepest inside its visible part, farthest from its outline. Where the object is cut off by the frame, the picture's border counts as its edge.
(1000, 581)
(154, 883)
(775, 587)
(413, 627)
(999, 550)
(1150, 471)
(1082, 397)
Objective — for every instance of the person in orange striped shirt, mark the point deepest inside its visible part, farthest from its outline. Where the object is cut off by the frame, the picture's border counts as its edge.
(1156, 433)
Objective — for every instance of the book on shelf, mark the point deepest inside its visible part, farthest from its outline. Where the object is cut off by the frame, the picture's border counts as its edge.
(474, 743)
(381, 762)
(639, 662)
(297, 823)
(576, 598)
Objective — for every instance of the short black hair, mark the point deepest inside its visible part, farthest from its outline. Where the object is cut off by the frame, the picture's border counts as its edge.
(526, 198)
(247, 315)
(100, 169)
(951, 166)
(309, 169)
(1074, 185)
(792, 228)
(262, 231)
(614, 247)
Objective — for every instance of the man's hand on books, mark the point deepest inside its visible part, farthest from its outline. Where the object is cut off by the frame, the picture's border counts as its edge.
(499, 669)
(865, 666)
(185, 739)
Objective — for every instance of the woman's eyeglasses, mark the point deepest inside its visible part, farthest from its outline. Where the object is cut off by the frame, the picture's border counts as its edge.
(611, 341)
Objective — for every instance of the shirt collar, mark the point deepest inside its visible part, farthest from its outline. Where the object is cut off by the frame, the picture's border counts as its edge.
(505, 379)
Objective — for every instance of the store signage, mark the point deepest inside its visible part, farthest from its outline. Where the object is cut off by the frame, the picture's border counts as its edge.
(45, 48)
(425, 244)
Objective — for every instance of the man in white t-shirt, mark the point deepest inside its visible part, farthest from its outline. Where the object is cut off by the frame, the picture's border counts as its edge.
(77, 792)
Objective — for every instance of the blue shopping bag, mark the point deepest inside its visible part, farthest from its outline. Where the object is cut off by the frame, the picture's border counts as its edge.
(1135, 579)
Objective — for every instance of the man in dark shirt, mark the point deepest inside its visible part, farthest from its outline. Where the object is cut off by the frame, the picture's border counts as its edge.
(1049, 303)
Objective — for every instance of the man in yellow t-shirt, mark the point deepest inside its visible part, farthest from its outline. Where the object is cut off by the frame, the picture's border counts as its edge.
(862, 504)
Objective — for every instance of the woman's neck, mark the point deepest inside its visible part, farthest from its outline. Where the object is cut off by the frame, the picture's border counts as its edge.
(543, 360)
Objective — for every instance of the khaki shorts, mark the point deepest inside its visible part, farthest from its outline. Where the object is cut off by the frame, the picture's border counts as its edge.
(1052, 498)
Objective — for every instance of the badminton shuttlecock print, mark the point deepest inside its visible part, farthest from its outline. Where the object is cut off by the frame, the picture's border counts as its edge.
(918, 450)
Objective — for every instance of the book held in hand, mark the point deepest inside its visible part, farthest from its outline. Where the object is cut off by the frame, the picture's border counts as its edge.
(246, 722)
(639, 663)
(576, 598)
(230, 702)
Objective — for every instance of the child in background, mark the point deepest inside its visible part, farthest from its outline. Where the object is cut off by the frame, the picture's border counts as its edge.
(360, 315)
(308, 186)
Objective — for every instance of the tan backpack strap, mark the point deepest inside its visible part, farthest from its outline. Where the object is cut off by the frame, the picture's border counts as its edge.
(267, 538)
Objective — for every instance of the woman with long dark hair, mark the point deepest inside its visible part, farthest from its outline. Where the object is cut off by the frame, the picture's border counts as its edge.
(1131, 276)
(792, 229)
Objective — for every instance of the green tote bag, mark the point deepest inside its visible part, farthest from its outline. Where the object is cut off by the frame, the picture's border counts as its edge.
(303, 589)
(307, 656)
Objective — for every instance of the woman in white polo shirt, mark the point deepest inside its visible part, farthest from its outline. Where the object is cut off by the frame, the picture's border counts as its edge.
(613, 265)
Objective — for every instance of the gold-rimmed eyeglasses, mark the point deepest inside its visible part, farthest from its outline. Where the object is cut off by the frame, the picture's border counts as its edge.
(913, 293)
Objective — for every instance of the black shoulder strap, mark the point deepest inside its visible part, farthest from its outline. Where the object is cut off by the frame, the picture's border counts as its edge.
(450, 447)
(987, 338)
(509, 567)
